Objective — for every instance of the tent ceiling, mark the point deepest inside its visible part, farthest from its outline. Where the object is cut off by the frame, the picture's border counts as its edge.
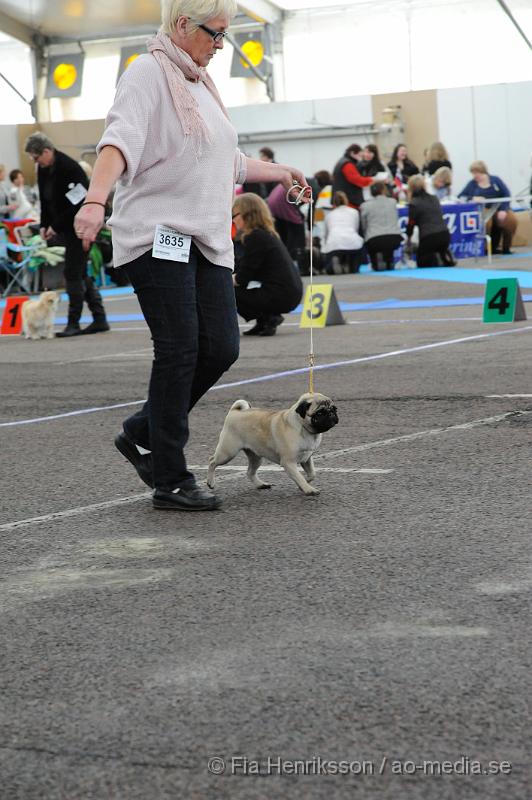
(83, 19)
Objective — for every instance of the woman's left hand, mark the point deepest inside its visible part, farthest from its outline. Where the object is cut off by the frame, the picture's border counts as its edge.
(293, 177)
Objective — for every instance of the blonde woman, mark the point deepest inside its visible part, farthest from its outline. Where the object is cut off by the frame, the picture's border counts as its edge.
(171, 148)
(503, 223)
(264, 260)
(437, 157)
(441, 185)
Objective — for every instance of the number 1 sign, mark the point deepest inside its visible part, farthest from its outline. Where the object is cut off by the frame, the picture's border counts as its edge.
(503, 301)
(12, 318)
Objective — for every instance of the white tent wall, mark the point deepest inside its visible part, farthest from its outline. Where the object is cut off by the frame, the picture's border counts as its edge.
(9, 150)
(491, 123)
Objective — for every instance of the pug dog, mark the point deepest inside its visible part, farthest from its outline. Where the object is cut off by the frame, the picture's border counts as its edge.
(38, 316)
(289, 438)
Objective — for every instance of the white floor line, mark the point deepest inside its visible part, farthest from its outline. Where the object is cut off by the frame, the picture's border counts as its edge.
(286, 373)
(145, 351)
(475, 423)
(72, 512)
(507, 396)
(391, 321)
(276, 468)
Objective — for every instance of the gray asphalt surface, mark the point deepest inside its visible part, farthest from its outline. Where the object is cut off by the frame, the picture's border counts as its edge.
(386, 621)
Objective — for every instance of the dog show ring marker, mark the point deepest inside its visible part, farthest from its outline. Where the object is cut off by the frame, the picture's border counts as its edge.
(320, 307)
(12, 318)
(503, 301)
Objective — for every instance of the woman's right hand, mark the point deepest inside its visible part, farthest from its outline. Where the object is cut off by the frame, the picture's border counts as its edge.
(87, 223)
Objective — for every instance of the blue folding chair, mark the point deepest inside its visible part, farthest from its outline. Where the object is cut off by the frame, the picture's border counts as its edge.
(18, 273)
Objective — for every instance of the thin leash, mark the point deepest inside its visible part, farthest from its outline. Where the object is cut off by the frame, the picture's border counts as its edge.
(297, 200)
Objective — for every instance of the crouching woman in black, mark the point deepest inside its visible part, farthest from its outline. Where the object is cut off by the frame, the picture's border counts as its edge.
(262, 259)
(424, 210)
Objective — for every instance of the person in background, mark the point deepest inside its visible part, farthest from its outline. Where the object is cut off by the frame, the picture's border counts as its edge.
(380, 226)
(503, 223)
(371, 163)
(437, 157)
(342, 242)
(440, 184)
(62, 191)
(424, 210)
(263, 189)
(322, 203)
(289, 223)
(171, 150)
(401, 166)
(263, 260)
(348, 178)
(6, 206)
(23, 208)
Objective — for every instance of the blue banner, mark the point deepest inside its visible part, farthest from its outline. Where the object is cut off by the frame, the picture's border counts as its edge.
(464, 221)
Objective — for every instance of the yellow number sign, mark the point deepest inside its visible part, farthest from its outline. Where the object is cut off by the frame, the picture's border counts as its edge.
(320, 307)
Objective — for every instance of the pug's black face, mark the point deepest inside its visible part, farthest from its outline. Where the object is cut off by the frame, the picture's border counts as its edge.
(322, 416)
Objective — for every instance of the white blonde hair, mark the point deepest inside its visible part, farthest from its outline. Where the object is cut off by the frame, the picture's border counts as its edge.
(197, 10)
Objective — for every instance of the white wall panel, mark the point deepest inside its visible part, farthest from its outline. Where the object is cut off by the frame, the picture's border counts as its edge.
(9, 148)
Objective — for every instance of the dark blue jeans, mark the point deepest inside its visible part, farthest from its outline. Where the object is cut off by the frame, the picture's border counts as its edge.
(191, 312)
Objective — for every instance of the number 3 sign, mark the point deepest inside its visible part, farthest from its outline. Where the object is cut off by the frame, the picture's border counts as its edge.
(12, 318)
(503, 301)
(320, 307)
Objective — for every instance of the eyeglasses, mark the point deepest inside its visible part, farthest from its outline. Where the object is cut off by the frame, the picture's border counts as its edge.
(217, 36)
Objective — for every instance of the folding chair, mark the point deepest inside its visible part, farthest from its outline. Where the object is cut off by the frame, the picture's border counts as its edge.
(18, 272)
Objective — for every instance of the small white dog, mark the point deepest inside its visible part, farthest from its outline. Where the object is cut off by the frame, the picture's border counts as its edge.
(38, 316)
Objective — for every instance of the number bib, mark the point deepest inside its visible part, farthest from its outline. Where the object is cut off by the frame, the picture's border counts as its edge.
(171, 245)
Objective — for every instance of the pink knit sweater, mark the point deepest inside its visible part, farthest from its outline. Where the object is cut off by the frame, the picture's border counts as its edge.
(164, 183)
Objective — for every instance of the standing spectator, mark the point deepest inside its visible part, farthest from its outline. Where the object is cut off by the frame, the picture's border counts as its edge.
(437, 157)
(263, 259)
(342, 242)
(371, 163)
(401, 166)
(503, 223)
(170, 147)
(6, 207)
(425, 211)
(380, 225)
(348, 178)
(62, 189)
(263, 189)
(23, 208)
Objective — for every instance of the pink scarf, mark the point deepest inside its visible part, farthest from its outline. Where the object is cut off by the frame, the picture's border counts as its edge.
(178, 66)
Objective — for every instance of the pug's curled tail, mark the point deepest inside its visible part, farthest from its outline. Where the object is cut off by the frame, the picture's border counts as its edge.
(238, 405)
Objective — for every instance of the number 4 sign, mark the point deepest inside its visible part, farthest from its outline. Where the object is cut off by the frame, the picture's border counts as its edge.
(12, 318)
(503, 301)
(320, 307)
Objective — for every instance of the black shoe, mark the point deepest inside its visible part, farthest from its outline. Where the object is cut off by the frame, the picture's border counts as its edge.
(270, 325)
(507, 252)
(193, 499)
(98, 326)
(255, 330)
(70, 330)
(143, 464)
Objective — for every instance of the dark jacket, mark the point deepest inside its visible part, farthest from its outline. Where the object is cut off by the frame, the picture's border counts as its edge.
(425, 212)
(434, 165)
(497, 188)
(54, 182)
(341, 184)
(409, 168)
(371, 168)
(264, 258)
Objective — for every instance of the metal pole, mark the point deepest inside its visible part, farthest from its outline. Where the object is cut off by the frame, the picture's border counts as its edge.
(515, 22)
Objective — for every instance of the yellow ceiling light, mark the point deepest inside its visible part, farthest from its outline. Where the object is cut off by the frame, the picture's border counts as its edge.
(130, 60)
(65, 76)
(254, 51)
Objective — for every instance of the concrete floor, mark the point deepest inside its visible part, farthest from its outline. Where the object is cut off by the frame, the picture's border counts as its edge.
(386, 621)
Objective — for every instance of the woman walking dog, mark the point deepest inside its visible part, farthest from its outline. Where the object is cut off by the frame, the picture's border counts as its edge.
(169, 145)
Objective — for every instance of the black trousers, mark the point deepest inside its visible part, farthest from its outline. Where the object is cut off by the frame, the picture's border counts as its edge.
(79, 286)
(257, 303)
(383, 246)
(190, 310)
(433, 246)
